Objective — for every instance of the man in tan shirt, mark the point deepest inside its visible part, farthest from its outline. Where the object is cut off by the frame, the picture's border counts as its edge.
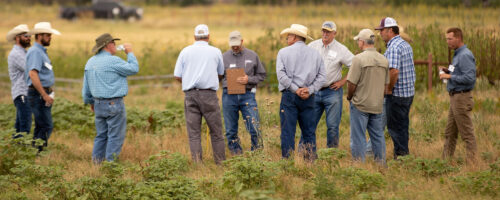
(367, 79)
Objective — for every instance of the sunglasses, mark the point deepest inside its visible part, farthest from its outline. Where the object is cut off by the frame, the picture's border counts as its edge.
(25, 35)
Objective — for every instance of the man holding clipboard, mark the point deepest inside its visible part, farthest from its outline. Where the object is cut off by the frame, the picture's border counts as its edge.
(243, 72)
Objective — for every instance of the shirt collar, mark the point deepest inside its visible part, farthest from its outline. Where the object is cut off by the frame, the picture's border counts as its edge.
(200, 42)
(239, 53)
(393, 39)
(19, 48)
(104, 52)
(328, 45)
(460, 49)
(299, 43)
(370, 49)
(38, 45)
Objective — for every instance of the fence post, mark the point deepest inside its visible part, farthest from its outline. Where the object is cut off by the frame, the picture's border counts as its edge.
(429, 73)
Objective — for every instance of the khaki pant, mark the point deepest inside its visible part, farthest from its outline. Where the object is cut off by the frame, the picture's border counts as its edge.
(460, 121)
(198, 103)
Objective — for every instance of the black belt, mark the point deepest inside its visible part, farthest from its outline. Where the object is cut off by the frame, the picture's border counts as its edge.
(457, 92)
(112, 98)
(48, 90)
(198, 89)
(324, 88)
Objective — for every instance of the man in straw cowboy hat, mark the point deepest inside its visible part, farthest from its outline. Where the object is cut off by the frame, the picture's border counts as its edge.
(241, 57)
(104, 86)
(199, 68)
(17, 61)
(40, 81)
(367, 78)
(301, 73)
(329, 98)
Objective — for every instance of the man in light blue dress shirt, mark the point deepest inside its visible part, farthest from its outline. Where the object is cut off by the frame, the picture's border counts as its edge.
(17, 62)
(301, 73)
(40, 79)
(199, 68)
(104, 86)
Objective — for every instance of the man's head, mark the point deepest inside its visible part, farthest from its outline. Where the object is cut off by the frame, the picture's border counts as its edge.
(43, 33)
(388, 28)
(365, 39)
(105, 42)
(454, 38)
(19, 35)
(295, 33)
(236, 41)
(201, 32)
(329, 30)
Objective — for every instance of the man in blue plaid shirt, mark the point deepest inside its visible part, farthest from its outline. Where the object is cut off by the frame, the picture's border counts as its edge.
(401, 89)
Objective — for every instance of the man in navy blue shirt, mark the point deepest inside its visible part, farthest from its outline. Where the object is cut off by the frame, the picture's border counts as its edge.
(461, 77)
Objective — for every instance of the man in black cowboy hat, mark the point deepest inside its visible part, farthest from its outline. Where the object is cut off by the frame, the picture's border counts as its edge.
(104, 86)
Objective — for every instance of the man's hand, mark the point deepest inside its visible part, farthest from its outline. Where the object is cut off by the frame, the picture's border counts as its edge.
(444, 69)
(337, 85)
(242, 80)
(444, 76)
(48, 100)
(92, 107)
(303, 93)
(128, 47)
(387, 91)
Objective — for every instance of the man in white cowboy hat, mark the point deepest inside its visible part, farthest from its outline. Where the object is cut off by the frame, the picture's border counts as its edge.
(367, 78)
(301, 73)
(199, 68)
(329, 97)
(241, 57)
(104, 86)
(40, 79)
(17, 61)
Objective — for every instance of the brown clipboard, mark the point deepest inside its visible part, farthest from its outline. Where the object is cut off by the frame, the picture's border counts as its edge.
(234, 87)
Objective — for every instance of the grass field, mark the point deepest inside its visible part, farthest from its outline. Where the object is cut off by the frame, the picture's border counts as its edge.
(66, 172)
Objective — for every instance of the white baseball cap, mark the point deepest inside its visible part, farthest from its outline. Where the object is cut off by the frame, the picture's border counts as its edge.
(201, 30)
(235, 38)
(386, 22)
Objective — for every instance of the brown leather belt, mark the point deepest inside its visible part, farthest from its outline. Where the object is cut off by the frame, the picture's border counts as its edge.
(48, 90)
(458, 92)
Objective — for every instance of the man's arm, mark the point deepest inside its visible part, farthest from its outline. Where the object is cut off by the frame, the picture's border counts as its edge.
(468, 69)
(320, 78)
(351, 88)
(393, 78)
(260, 73)
(86, 94)
(38, 86)
(283, 79)
(347, 61)
(178, 79)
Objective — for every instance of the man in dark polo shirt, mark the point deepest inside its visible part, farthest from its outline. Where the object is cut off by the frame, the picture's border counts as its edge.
(461, 76)
(232, 104)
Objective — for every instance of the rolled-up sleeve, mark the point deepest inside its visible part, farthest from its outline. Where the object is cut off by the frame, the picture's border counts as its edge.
(468, 69)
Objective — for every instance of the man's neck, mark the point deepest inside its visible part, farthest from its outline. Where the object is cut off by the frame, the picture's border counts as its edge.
(460, 45)
(328, 42)
(367, 47)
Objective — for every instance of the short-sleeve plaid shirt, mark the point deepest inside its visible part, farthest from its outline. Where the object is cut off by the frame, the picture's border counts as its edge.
(400, 56)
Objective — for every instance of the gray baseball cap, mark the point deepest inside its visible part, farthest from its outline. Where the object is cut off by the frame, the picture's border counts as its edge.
(329, 26)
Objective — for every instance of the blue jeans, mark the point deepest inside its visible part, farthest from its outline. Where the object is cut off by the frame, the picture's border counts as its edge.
(43, 117)
(330, 101)
(398, 121)
(384, 124)
(111, 127)
(360, 122)
(23, 114)
(293, 109)
(232, 104)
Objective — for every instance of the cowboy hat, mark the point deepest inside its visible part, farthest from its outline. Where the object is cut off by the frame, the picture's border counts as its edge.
(11, 35)
(44, 27)
(297, 29)
(101, 41)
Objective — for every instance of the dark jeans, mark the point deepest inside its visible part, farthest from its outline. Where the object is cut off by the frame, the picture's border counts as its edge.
(43, 117)
(232, 104)
(398, 122)
(23, 114)
(293, 109)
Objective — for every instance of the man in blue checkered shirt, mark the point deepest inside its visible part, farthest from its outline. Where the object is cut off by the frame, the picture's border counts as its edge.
(401, 89)
(104, 86)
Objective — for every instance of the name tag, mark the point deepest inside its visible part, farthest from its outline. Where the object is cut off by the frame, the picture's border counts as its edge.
(451, 68)
(48, 65)
(232, 65)
(248, 61)
(332, 54)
